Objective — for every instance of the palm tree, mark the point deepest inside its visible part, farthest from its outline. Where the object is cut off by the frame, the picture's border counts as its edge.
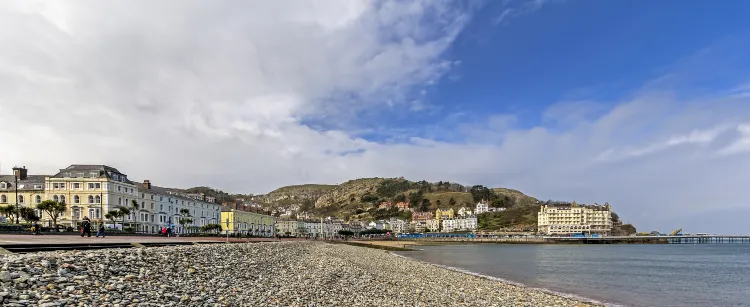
(124, 211)
(184, 218)
(135, 206)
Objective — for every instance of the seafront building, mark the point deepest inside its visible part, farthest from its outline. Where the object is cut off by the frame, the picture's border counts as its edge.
(568, 219)
(398, 226)
(236, 221)
(30, 189)
(290, 228)
(433, 225)
(94, 190)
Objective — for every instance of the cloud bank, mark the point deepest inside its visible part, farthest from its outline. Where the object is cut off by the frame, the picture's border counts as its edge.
(223, 94)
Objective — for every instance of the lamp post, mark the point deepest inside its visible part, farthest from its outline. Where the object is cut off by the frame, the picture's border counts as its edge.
(227, 230)
(16, 173)
(101, 202)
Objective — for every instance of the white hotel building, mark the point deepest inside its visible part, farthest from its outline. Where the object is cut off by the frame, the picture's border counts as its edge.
(574, 218)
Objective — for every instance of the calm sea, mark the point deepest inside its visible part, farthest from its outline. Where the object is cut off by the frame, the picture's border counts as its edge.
(629, 275)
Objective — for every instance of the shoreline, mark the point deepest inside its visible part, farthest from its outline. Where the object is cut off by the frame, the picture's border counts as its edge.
(269, 274)
(566, 295)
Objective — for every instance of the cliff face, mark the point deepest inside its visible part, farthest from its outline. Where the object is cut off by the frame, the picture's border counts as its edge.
(298, 192)
(349, 191)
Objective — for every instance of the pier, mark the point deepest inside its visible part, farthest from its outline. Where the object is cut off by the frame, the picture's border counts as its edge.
(677, 239)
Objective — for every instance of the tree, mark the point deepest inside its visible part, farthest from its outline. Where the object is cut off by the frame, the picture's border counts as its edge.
(452, 202)
(112, 215)
(438, 203)
(185, 218)
(345, 233)
(480, 193)
(134, 205)
(53, 209)
(211, 228)
(124, 211)
(425, 205)
(28, 214)
(415, 198)
(399, 198)
(8, 210)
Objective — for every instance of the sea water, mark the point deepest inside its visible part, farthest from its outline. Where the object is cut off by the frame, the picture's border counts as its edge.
(627, 274)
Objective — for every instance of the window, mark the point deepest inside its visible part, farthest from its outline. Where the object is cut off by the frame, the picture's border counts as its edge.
(37, 186)
(152, 197)
(119, 201)
(3, 199)
(3, 185)
(76, 213)
(95, 185)
(91, 199)
(76, 199)
(55, 198)
(76, 185)
(98, 199)
(161, 207)
(62, 198)
(119, 188)
(161, 198)
(94, 213)
(152, 206)
(38, 199)
(143, 195)
(94, 174)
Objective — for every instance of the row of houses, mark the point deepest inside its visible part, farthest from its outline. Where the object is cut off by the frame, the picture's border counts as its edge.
(93, 190)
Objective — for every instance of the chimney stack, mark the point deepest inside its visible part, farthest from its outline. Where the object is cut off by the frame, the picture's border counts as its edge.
(21, 172)
(147, 184)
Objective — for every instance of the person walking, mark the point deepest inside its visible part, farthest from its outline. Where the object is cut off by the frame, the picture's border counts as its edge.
(100, 231)
(86, 227)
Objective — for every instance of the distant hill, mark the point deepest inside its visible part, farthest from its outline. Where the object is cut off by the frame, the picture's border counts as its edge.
(360, 198)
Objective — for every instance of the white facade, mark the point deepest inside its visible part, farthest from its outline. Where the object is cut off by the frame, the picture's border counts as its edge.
(419, 226)
(159, 208)
(399, 226)
(464, 211)
(481, 208)
(376, 225)
(433, 225)
(449, 225)
(468, 223)
(569, 219)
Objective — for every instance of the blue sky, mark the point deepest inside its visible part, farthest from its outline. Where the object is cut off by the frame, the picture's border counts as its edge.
(600, 51)
(642, 104)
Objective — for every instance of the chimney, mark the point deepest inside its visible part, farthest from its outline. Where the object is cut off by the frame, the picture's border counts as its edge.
(20, 172)
(147, 184)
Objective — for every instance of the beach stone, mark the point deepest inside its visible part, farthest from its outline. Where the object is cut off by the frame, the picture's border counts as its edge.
(261, 274)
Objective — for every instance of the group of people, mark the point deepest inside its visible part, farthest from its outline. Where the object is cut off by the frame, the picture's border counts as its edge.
(86, 228)
(166, 231)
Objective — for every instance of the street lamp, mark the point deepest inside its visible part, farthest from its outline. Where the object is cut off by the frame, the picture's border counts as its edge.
(16, 173)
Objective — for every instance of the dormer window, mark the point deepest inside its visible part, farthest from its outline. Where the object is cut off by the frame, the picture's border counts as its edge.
(3, 185)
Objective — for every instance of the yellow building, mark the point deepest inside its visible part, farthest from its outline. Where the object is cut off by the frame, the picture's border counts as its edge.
(90, 191)
(574, 218)
(30, 190)
(444, 214)
(247, 223)
(290, 228)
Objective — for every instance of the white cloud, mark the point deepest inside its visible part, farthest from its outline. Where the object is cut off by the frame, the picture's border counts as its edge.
(216, 93)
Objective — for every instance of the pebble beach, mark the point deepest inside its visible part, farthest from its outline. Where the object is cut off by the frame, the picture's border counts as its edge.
(260, 274)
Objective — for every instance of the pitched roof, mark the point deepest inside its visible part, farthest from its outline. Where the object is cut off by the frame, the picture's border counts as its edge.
(24, 184)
